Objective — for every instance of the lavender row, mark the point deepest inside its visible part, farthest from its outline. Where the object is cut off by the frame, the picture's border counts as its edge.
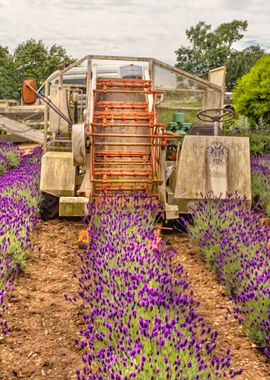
(19, 198)
(140, 318)
(234, 242)
(260, 168)
(10, 156)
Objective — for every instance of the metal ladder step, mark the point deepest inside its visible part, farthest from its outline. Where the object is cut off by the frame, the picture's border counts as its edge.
(122, 125)
(120, 172)
(123, 105)
(123, 116)
(119, 82)
(111, 90)
(125, 163)
(127, 135)
(146, 181)
(119, 153)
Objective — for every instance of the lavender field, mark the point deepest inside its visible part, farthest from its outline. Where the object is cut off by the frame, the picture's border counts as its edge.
(234, 242)
(19, 201)
(139, 314)
(139, 317)
(260, 167)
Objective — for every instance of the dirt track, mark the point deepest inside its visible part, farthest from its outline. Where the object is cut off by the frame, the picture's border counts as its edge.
(44, 325)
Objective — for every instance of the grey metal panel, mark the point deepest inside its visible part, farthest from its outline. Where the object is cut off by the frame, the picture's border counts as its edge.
(190, 180)
(58, 174)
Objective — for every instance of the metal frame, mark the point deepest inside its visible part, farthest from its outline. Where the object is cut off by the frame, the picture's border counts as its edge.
(151, 62)
(125, 143)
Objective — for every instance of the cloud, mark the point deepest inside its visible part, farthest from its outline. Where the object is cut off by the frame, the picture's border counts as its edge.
(125, 27)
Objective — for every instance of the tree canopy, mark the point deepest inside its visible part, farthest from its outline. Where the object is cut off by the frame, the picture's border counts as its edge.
(8, 85)
(30, 59)
(251, 96)
(213, 48)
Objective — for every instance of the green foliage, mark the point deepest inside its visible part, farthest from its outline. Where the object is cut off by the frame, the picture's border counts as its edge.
(261, 190)
(259, 135)
(212, 48)
(33, 59)
(8, 77)
(251, 95)
(238, 126)
(259, 144)
(14, 159)
(240, 63)
(260, 180)
(30, 59)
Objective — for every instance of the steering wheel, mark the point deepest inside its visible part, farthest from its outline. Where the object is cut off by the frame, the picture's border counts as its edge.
(219, 114)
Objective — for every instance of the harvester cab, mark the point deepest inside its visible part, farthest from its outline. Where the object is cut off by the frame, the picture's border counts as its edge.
(108, 127)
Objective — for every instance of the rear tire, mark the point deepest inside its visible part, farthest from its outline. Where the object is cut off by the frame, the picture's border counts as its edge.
(49, 208)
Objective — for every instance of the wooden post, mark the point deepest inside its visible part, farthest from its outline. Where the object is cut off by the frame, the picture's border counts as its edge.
(46, 111)
(88, 84)
(60, 89)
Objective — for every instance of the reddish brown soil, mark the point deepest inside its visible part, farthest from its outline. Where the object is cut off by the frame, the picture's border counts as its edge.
(216, 308)
(43, 324)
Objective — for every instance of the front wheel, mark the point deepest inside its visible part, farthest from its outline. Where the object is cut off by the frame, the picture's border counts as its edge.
(49, 208)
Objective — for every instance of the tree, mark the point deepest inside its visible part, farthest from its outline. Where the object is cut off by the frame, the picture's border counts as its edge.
(240, 63)
(33, 59)
(8, 77)
(251, 95)
(209, 49)
(30, 59)
(56, 55)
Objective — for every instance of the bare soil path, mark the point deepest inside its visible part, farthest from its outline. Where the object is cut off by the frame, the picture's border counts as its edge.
(216, 308)
(43, 324)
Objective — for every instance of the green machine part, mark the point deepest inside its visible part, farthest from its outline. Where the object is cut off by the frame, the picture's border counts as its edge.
(179, 117)
(178, 126)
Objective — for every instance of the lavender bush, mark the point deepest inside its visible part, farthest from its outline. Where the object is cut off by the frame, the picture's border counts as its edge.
(19, 198)
(140, 319)
(10, 156)
(235, 243)
(260, 168)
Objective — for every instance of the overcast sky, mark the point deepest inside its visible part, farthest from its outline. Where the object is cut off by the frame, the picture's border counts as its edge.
(149, 28)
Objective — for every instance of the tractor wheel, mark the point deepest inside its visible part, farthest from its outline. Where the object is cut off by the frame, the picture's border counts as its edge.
(49, 208)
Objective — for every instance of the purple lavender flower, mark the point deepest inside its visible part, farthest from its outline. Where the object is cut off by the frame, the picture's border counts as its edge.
(235, 243)
(138, 311)
(19, 197)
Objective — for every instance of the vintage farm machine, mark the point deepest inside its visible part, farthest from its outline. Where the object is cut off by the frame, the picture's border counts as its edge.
(109, 127)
